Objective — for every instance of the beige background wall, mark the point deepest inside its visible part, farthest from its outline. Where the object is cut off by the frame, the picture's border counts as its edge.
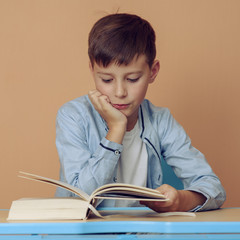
(44, 63)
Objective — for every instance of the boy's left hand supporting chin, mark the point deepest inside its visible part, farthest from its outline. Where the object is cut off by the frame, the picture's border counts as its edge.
(179, 200)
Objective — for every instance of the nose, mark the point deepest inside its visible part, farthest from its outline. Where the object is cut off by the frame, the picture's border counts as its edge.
(120, 90)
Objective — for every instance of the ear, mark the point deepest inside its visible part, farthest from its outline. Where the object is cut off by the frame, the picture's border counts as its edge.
(90, 66)
(154, 71)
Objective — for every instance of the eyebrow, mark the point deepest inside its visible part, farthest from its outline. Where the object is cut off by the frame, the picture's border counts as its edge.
(104, 73)
(129, 73)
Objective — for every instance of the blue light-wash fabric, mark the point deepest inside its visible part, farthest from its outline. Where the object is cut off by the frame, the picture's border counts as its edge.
(88, 160)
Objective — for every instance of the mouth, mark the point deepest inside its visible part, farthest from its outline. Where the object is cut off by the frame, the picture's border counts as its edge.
(120, 106)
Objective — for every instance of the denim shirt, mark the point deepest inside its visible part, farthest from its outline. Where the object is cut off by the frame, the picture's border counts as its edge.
(88, 160)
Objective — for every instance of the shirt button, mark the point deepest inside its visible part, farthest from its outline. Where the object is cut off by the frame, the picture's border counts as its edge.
(117, 152)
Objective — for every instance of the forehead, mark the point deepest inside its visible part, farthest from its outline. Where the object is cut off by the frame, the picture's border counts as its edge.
(138, 64)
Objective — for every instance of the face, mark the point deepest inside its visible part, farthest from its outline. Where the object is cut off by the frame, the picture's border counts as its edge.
(125, 86)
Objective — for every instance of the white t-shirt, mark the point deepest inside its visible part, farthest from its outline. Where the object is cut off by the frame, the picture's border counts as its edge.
(132, 165)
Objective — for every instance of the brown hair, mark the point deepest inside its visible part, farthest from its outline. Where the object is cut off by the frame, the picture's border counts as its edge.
(119, 38)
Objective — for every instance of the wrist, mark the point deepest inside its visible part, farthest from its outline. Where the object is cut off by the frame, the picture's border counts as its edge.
(189, 200)
(116, 133)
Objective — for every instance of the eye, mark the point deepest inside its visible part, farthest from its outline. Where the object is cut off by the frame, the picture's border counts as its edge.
(107, 80)
(133, 79)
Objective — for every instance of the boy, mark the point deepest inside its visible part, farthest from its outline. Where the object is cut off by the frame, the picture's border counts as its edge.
(115, 135)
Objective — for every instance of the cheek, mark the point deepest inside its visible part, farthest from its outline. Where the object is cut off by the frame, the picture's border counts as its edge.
(98, 85)
(139, 92)
(102, 88)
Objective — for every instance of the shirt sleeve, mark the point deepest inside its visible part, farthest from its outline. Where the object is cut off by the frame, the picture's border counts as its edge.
(190, 165)
(81, 167)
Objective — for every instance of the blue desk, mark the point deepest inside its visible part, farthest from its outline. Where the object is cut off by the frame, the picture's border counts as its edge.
(218, 224)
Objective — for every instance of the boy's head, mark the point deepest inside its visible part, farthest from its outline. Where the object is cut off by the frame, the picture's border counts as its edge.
(119, 38)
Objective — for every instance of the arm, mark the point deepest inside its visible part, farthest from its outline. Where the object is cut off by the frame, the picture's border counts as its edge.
(88, 160)
(191, 166)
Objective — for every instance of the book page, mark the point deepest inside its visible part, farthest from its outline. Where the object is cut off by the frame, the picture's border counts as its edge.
(124, 191)
(57, 183)
(111, 191)
(125, 185)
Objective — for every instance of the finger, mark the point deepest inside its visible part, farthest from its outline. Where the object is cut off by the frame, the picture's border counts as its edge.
(157, 206)
(103, 99)
(94, 93)
(91, 92)
(168, 191)
(94, 98)
(160, 204)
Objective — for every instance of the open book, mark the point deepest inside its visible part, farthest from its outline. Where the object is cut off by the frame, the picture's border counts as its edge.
(77, 207)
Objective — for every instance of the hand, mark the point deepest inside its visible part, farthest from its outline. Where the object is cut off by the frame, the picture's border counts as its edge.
(171, 205)
(179, 200)
(115, 120)
(103, 105)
